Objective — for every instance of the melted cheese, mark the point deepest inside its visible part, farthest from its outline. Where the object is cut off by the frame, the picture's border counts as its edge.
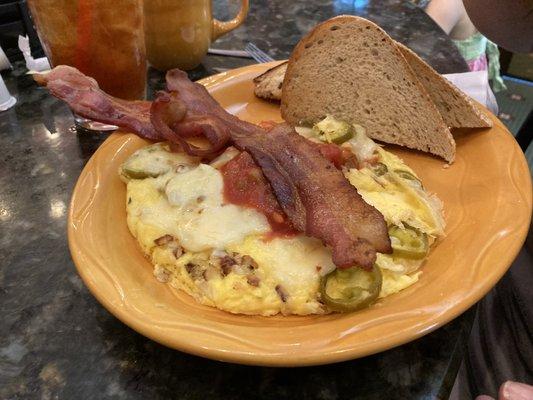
(295, 263)
(156, 160)
(190, 207)
(199, 188)
(186, 201)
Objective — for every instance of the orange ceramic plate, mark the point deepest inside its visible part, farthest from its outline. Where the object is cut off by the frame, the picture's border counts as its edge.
(487, 200)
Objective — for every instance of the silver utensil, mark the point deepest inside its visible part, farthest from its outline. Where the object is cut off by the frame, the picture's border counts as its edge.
(257, 54)
(250, 51)
(230, 53)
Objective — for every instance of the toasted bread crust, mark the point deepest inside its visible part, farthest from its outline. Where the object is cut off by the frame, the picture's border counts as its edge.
(456, 108)
(268, 85)
(361, 64)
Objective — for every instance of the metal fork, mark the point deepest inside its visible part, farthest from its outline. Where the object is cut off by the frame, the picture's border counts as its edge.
(257, 54)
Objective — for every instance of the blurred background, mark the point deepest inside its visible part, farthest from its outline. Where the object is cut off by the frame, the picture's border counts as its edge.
(515, 103)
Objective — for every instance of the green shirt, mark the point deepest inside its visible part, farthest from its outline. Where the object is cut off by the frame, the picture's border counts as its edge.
(477, 45)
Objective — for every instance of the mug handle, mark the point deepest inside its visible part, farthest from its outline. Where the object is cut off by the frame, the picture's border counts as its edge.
(222, 27)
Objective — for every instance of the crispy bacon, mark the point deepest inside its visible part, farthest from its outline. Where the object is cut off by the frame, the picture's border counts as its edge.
(314, 195)
(317, 198)
(330, 151)
(199, 102)
(176, 123)
(86, 99)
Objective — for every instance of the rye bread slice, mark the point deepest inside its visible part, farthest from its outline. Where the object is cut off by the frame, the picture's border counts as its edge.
(348, 67)
(268, 85)
(456, 108)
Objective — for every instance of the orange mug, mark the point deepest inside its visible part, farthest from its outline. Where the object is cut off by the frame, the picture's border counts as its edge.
(179, 32)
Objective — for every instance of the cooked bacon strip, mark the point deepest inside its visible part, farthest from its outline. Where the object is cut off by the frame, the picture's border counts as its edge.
(330, 151)
(199, 102)
(315, 196)
(86, 99)
(175, 123)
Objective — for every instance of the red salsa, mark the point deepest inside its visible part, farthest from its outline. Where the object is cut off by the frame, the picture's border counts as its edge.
(245, 185)
(333, 153)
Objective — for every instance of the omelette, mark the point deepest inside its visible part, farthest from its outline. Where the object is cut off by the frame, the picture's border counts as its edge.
(226, 256)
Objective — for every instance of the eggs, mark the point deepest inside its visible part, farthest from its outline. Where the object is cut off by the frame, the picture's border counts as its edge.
(224, 255)
(293, 267)
(396, 191)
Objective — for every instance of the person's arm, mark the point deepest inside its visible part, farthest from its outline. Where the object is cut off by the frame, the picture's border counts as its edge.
(446, 13)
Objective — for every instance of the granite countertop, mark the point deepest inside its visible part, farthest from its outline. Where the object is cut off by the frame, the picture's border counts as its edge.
(276, 26)
(58, 342)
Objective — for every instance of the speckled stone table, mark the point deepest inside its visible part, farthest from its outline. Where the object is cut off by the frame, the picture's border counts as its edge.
(57, 342)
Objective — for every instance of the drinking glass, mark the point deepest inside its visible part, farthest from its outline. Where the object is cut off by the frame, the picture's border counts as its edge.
(103, 39)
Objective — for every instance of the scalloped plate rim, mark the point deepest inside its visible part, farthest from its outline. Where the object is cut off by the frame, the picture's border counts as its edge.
(275, 359)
